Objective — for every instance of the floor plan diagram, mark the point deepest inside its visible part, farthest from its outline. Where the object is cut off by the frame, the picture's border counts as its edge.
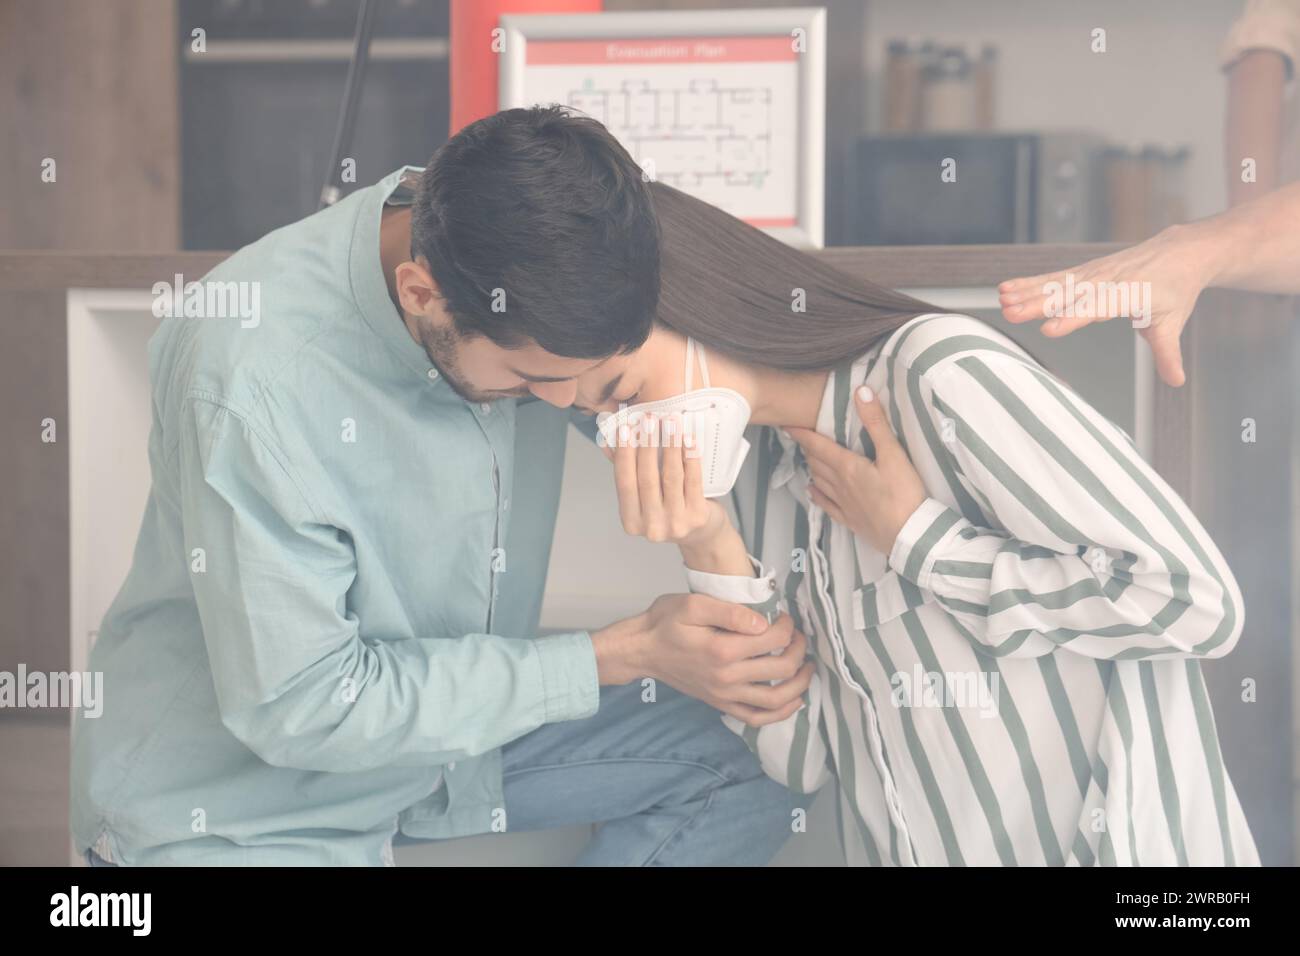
(715, 117)
(702, 133)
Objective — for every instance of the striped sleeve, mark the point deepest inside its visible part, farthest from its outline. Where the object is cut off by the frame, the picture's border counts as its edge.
(1085, 547)
(792, 752)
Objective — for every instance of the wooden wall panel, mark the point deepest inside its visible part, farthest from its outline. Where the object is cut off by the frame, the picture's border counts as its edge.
(1238, 451)
(92, 86)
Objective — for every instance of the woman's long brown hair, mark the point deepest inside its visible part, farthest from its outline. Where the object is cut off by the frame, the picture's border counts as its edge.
(732, 287)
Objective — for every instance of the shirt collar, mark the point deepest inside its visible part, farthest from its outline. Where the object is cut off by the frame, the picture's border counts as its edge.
(369, 285)
(792, 460)
(785, 468)
(792, 466)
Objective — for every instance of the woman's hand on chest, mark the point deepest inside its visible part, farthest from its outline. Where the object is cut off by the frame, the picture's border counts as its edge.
(874, 499)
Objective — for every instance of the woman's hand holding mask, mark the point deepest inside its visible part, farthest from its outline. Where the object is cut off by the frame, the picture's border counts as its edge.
(872, 498)
(661, 498)
(757, 679)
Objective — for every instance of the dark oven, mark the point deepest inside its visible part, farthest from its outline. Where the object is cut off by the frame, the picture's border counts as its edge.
(260, 103)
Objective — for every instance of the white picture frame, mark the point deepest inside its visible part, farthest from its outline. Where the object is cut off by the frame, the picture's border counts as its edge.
(802, 223)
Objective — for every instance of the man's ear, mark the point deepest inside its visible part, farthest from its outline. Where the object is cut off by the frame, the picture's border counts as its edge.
(417, 291)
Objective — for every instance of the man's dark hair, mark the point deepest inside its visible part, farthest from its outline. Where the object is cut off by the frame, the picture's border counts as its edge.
(546, 206)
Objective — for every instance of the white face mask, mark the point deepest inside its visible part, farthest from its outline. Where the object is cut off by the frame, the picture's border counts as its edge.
(716, 417)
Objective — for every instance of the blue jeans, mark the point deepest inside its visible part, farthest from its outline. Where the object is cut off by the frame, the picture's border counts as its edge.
(669, 783)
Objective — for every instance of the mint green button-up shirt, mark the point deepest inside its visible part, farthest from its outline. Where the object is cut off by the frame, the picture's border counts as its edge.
(328, 629)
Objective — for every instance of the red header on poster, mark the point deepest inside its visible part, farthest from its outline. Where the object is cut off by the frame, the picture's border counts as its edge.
(751, 49)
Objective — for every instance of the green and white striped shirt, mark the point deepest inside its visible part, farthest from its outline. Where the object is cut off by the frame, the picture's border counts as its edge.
(1019, 680)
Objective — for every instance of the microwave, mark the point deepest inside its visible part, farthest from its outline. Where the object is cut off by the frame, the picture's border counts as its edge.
(1000, 188)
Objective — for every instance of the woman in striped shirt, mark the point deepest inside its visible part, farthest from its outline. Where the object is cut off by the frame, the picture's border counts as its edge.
(1005, 607)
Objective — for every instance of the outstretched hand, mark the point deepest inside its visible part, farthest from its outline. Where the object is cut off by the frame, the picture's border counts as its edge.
(1155, 284)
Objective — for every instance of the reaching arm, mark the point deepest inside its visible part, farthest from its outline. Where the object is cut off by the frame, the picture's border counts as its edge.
(1253, 134)
(1259, 56)
(1253, 247)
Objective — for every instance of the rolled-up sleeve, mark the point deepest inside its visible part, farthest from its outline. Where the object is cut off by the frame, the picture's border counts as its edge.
(792, 751)
(1265, 25)
(296, 678)
(758, 591)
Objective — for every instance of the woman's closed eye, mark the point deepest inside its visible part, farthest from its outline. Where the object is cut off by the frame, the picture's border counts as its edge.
(611, 405)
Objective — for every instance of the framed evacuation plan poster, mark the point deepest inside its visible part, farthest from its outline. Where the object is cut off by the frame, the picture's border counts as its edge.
(726, 105)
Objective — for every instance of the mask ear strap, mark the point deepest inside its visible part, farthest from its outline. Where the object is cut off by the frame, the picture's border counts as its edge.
(704, 368)
(690, 364)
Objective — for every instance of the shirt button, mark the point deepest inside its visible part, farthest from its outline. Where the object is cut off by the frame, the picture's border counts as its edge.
(433, 375)
(485, 408)
(505, 505)
(452, 765)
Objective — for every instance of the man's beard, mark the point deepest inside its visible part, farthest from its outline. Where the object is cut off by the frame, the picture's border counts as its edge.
(442, 345)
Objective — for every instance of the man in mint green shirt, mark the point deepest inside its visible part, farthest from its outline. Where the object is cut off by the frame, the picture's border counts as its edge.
(328, 634)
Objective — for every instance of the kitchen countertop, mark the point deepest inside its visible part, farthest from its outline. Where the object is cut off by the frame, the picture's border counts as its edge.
(897, 266)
